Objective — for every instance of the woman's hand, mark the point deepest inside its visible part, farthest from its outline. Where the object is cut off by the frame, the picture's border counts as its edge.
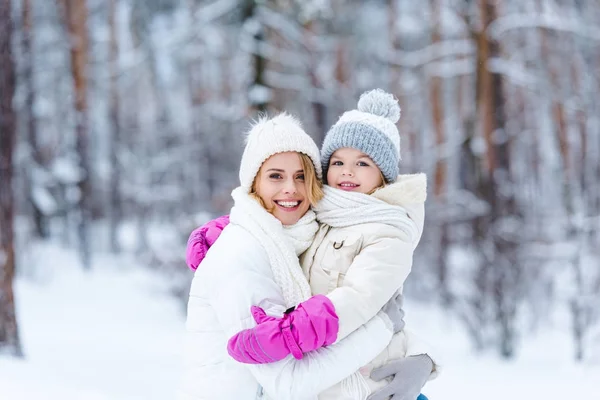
(310, 326)
(409, 377)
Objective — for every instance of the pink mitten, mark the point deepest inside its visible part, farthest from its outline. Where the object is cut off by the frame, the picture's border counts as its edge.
(202, 238)
(312, 325)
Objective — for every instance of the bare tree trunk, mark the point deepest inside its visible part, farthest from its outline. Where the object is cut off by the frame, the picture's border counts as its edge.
(318, 106)
(76, 19)
(395, 75)
(441, 169)
(258, 84)
(39, 220)
(116, 204)
(9, 333)
(499, 189)
(200, 120)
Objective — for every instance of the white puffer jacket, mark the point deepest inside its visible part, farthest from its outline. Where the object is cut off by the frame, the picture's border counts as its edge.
(360, 267)
(234, 276)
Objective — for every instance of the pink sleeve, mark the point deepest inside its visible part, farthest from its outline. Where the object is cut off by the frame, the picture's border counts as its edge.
(202, 238)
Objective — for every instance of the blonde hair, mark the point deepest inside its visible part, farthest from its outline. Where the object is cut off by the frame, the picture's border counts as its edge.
(314, 186)
(383, 184)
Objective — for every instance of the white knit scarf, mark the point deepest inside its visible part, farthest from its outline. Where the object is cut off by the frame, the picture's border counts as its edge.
(283, 244)
(339, 209)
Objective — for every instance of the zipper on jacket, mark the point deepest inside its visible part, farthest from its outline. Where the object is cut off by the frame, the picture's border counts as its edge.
(259, 393)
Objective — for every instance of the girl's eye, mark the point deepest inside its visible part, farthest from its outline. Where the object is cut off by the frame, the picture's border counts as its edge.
(337, 163)
(275, 176)
(363, 164)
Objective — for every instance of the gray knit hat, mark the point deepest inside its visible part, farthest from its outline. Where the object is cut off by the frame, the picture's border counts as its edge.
(371, 129)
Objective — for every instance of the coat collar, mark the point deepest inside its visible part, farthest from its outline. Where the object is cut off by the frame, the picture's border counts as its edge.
(408, 189)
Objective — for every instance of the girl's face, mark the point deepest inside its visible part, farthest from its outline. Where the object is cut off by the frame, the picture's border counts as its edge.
(353, 171)
(280, 185)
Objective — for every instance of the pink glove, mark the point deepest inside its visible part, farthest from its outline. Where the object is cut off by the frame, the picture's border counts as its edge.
(202, 238)
(312, 325)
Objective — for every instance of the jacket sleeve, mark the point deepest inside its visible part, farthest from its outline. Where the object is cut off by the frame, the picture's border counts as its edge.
(416, 346)
(245, 279)
(374, 276)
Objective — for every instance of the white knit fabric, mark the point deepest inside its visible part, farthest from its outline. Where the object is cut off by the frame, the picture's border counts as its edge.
(283, 245)
(267, 137)
(340, 209)
(380, 123)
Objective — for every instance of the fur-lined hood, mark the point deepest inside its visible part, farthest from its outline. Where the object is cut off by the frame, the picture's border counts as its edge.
(409, 189)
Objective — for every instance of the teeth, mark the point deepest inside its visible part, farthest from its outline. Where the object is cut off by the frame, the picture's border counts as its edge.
(348, 184)
(288, 204)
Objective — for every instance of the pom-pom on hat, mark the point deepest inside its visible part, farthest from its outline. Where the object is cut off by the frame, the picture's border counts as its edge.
(371, 129)
(269, 136)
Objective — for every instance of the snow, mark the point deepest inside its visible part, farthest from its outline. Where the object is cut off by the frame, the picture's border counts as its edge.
(259, 94)
(115, 334)
(213, 11)
(110, 334)
(429, 53)
(543, 370)
(44, 200)
(552, 21)
(67, 171)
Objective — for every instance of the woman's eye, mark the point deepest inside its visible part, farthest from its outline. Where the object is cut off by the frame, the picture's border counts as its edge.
(301, 177)
(337, 163)
(275, 176)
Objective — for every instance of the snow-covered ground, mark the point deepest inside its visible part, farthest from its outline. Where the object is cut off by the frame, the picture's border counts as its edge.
(115, 334)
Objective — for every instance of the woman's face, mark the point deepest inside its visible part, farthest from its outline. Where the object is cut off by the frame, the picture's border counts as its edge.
(280, 185)
(353, 171)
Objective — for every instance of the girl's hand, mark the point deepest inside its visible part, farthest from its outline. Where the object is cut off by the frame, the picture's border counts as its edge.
(393, 310)
(409, 377)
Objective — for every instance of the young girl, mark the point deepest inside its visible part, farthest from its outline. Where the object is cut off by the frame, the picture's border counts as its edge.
(371, 221)
(255, 262)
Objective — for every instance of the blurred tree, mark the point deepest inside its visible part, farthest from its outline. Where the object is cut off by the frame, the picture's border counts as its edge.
(116, 203)
(30, 126)
(9, 333)
(440, 175)
(259, 93)
(75, 13)
(502, 224)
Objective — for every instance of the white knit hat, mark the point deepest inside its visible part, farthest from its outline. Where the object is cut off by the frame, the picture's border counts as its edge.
(271, 136)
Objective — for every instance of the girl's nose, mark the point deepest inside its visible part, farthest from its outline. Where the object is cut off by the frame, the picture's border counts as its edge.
(347, 171)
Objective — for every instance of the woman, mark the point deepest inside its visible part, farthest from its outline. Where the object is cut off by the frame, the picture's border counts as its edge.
(255, 263)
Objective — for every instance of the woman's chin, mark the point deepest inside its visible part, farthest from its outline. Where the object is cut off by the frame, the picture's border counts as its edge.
(289, 217)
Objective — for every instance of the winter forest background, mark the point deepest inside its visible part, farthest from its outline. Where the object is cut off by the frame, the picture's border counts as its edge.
(122, 123)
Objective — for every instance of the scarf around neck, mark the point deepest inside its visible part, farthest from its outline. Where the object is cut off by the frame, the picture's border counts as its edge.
(283, 244)
(340, 209)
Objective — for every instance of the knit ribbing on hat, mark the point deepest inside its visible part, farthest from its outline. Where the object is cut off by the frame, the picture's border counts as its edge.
(366, 138)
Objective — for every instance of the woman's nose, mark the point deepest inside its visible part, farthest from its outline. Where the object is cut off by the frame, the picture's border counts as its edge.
(290, 187)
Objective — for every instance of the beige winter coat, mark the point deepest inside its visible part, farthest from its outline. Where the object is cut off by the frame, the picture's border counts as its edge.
(368, 263)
